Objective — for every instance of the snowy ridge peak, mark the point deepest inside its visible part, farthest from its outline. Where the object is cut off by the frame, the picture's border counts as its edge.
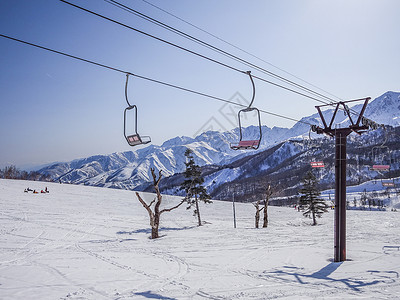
(179, 140)
(385, 109)
(131, 169)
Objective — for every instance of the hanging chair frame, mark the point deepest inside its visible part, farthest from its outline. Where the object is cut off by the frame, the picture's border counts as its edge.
(381, 151)
(248, 144)
(312, 147)
(388, 182)
(133, 139)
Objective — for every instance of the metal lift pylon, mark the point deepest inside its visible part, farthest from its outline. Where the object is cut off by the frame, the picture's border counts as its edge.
(359, 126)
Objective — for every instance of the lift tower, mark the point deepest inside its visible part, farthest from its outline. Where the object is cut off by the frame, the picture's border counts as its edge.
(340, 134)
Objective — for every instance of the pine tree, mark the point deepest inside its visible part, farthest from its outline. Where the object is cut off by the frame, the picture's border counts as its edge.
(193, 185)
(310, 203)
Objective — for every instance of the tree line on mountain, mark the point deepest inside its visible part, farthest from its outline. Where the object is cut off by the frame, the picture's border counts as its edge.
(12, 172)
(286, 174)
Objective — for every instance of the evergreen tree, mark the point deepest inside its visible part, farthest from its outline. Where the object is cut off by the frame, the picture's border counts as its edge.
(193, 185)
(310, 203)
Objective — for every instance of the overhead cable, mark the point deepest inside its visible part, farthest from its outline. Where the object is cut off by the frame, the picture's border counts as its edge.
(219, 50)
(193, 52)
(204, 56)
(236, 47)
(149, 79)
(154, 37)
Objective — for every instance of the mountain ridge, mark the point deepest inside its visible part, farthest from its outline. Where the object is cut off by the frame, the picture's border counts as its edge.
(131, 169)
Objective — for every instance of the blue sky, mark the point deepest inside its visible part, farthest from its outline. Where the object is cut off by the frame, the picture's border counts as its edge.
(54, 108)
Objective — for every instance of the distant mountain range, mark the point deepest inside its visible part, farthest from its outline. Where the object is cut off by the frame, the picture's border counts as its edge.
(279, 150)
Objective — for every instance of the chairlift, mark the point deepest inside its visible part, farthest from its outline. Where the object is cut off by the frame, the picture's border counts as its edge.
(388, 182)
(313, 147)
(133, 138)
(254, 143)
(381, 157)
(317, 164)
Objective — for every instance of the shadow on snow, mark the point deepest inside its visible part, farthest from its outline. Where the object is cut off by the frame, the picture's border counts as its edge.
(151, 295)
(325, 272)
(148, 230)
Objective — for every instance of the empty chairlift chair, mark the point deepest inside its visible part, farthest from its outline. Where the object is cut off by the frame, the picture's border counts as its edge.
(381, 157)
(313, 147)
(248, 144)
(132, 137)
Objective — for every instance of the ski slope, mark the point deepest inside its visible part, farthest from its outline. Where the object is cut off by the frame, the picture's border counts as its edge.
(80, 242)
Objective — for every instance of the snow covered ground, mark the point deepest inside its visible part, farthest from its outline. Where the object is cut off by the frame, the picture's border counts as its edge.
(80, 242)
(389, 196)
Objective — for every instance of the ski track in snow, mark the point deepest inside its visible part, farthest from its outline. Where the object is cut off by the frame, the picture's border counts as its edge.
(83, 242)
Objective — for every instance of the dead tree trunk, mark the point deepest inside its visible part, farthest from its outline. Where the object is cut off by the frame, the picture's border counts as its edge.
(155, 215)
(266, 201)
(258, 209)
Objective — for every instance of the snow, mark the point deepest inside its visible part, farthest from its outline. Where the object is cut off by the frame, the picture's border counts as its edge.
(390, 196)
(223, 176)
(81, 242)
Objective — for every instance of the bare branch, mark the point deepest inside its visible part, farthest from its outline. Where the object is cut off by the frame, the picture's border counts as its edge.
(147, 207)
(151, 203)
(172, 208)
(155, 180)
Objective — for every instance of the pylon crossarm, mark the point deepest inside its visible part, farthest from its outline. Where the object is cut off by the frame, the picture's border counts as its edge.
(321, 116)
(361, 115)
(355, 126)
(334, 115)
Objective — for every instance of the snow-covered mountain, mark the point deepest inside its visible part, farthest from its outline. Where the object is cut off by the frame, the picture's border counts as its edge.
(131, 169)
(383, 110)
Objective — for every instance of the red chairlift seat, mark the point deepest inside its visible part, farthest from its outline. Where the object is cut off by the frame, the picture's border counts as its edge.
(380, 167)
(136, 139)
(244, 145)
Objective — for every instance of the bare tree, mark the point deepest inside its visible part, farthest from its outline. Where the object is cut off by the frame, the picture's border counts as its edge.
(258, 210)
(268, 194)
(156, 214)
